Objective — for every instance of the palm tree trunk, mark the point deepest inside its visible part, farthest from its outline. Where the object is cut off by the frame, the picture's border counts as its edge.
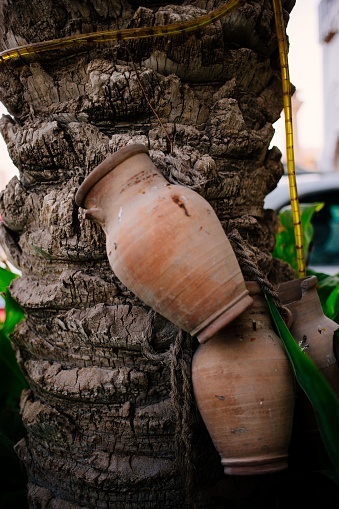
(109, 415)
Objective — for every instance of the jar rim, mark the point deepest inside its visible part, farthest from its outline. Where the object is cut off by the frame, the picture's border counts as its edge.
(105, 167)
(293, 290)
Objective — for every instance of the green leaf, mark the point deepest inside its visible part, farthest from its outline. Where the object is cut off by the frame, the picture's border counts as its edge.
(14, 314)
(12, 380)
(328, 291)
(6, 277)
(317, 389)
(332, 305)
(285, 240)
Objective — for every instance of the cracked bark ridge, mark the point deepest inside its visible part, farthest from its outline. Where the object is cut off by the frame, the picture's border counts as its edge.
(99, 416)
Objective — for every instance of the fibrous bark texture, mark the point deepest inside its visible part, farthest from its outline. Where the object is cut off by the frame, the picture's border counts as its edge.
(109, 417)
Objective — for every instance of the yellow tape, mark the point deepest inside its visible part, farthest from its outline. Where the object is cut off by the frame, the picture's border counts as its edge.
(286, 89)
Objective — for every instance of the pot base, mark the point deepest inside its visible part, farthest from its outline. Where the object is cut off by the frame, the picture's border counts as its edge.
(244, 387)
(255, 466)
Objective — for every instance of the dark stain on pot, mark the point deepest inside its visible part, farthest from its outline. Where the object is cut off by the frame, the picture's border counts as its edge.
(236, 431)
(143, 176)
(180, 204)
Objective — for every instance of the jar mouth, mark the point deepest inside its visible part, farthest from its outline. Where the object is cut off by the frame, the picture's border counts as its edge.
(105, 167)
(293, 290)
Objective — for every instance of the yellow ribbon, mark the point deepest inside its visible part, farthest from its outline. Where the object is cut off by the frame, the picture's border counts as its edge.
(286, 89)
(118, 35)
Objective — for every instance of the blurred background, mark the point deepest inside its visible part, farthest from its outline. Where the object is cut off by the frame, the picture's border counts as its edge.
(7, 168)
(313, 61)
(314, 70)
(305, 59)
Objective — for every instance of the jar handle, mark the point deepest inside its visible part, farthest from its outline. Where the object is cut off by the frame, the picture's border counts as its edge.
(287, 316)
(94, 214)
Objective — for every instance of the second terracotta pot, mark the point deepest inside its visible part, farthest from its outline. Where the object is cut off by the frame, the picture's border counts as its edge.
(165, 243)
(309, 326)
(314, 332)
(244, 387)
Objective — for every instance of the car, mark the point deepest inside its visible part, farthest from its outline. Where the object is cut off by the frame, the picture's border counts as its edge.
(315, 187)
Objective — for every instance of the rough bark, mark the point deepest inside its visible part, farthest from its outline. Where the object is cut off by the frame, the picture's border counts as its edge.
(109, 379)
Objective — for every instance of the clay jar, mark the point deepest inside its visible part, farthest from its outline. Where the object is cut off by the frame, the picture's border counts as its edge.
(244, 387)
(314, 332)
(165, 243)
(309, 326)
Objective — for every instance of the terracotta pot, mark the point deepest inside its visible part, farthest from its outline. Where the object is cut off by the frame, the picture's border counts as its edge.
(309, 326)
(165, 243)
(314, 332)
(245, 391)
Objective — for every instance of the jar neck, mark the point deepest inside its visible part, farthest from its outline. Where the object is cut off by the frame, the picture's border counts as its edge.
(131, 179)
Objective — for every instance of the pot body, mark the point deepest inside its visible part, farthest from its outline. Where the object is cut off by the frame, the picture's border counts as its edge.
(165, 243)
(245, 391)
(314, 332)
(309, 326)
